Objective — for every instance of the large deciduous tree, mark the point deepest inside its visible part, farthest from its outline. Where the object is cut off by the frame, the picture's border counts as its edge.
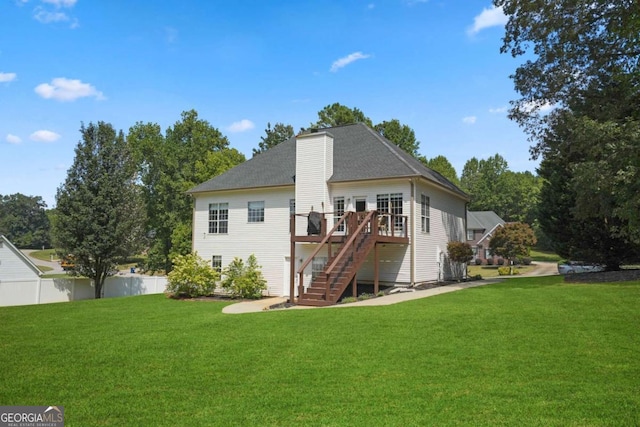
(442, 165)
(401, 135)
(337, 114)
(585, 63)
(493, 187)
(273, 137)
(99, 216)
(191, 152)
(24, 221)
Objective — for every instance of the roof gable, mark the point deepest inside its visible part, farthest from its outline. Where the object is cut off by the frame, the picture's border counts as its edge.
(483, 220)
(20, 255)
(360, 153)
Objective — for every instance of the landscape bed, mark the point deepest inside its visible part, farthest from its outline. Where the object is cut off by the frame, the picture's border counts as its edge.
(527, 351)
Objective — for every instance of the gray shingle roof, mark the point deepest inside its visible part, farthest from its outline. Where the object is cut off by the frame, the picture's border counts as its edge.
(483, 220)
(359, 153)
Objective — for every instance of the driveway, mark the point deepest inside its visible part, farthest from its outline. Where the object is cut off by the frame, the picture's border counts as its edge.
(55, 265)
(542, 269)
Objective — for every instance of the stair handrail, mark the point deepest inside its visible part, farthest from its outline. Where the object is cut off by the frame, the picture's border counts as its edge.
(350, 241)
(324, 240)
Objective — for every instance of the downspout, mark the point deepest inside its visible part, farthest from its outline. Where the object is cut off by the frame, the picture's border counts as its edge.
(466, 209)
(412, 242)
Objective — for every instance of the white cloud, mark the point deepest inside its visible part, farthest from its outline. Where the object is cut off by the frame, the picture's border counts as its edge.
(61, 3)
(498, 110)
(7, 77)
(12, 139)
(543, 107)
(241, 126)
(47, 17)
(63, 89)
(488, 18)
(44, 136)
(469, 120)
(343, 62)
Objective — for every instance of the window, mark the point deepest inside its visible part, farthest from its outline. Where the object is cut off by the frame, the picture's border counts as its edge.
(216, 263)
(256, 212)
(292, 206)
(470, 234)
(317, 266)
(338, 211)
(425, 214)
(391, 203)
(218, 218)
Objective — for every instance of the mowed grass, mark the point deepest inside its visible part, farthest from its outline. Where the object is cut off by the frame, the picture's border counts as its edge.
(527, 351)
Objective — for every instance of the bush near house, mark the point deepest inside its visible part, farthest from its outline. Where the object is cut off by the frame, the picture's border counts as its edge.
(191, 277)
(244, 281)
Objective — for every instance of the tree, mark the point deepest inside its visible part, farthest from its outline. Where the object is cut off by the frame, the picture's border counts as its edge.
(480, 179)
(511, 241)
(586, 65)
(192, 151)
(442, 165)
(401, 135)
(339, 115)
(24, 221)
(191, 277)
(460, 253)
(99, 216)
(493, 187)
(273, 137)
(518, 196)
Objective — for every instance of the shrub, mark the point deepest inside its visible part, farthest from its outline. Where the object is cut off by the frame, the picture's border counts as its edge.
(460, 253)
(500, 261)
(347, 300)
(505, 271)
(489, 261)
(478, 261)
(191, 277)
(244, 281)
(526, 260)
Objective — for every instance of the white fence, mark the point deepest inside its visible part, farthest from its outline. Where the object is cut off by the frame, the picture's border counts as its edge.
(42, 291)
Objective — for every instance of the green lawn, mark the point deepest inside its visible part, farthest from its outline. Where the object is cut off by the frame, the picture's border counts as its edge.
(490, 271)
(527, 351)
(546, 256)
(45, 255)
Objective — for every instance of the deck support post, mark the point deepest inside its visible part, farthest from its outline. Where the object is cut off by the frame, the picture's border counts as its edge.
(292, 258)
(376, 269)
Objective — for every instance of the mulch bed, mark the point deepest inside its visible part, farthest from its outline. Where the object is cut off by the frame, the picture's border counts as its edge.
(603, 276)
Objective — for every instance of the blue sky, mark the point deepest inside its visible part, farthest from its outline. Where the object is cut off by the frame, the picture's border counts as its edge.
(434, 65)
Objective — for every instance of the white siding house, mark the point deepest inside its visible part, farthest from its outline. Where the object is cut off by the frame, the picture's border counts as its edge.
(343, 169)
(14, 265)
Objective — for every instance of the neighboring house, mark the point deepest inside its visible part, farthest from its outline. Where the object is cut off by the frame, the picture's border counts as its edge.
(14, 265)
(480, 227)
(360, 208)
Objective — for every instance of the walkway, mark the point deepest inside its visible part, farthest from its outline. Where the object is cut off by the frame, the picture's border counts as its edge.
(542, 269)
(408, 295)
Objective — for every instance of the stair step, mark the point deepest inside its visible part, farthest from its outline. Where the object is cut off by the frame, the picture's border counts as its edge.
(315, 303)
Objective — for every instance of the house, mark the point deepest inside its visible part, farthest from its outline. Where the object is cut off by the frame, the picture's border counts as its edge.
(14, 265)
(330, 208)
(480, 227)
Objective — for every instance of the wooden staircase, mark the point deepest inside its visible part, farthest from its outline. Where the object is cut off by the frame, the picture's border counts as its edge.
(342, 267)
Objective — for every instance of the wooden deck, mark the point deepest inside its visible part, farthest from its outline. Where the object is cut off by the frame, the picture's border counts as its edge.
(347, 245)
